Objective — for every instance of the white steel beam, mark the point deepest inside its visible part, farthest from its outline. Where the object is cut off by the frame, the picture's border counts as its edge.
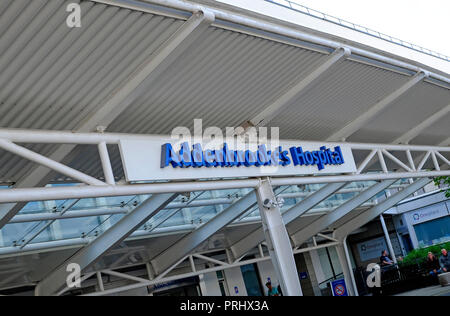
(49, 163)
(257, 236)
(106, 163)
(388, 238)
(263, 118)
(375, 110)
(113, 236)
(80, 192)
(277, 240)
(341, 232)
(347, 268)
(414, 132)
(93, 138)
(153, 281)
(327, 220)
(173, 207)
(187, 244)
(121, 98)
(268, 25)
(445, 142)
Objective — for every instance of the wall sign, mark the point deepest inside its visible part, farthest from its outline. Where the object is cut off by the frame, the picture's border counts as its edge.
(371, 249)
(162, 159)
(339, 288)
(428, 213)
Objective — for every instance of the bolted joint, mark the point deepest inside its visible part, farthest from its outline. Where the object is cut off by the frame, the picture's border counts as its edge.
(424, 73)
(347, 51)
(207, 15)
(278, 202)
(100, 129)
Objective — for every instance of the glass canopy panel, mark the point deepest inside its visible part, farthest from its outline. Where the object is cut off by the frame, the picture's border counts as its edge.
(170, 219)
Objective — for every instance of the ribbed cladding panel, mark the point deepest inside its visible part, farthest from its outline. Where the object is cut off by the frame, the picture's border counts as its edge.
(87, 160)
(345, 93)
(407, 112)
(53, 77)
(436, 134)
(225, 78)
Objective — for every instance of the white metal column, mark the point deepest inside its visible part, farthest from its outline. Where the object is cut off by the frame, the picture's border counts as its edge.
(388, 238)
(347, 269)
(277, 239)
(256, 237)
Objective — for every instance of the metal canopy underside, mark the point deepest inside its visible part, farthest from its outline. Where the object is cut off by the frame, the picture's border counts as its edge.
(55, 78)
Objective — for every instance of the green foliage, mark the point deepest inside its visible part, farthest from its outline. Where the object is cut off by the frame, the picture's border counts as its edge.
(443, 181)
(420, 255)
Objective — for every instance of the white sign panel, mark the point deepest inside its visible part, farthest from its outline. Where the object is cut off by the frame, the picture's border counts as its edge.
(428, 213)
(371, 249)
(164, 159)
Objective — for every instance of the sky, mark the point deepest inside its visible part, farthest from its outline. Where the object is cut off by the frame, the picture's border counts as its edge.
(422, 22)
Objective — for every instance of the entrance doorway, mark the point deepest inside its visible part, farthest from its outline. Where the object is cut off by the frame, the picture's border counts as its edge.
(407, 244)
(251, 279)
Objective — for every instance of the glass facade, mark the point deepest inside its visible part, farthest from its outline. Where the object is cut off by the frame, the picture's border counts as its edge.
(433, 232)
(186, 217)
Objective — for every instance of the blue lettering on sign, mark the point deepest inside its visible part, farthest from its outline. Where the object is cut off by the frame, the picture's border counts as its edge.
(196, 157)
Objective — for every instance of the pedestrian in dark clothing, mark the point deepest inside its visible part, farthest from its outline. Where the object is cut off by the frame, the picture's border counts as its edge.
(432, 264)
(444, 261)
(385, 260)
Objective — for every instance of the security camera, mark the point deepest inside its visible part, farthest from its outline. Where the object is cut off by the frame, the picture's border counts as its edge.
(267, 203)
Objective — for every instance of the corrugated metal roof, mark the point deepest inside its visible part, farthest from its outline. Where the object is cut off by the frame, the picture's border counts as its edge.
(224, 79)
(347, 92)
(406, 113)
(53, 77)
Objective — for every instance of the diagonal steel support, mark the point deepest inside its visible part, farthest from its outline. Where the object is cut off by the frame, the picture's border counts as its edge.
(327, 220)
(375, 110)
(271, 111)
(362, 219)
(257, 236)
(184, 246)
(343, 231)
(119, 100)
(414, 132)
(46, 162)
(112, 237)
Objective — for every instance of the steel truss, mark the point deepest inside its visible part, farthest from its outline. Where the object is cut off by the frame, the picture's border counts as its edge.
(337, 239)
(395, 161)
(391, 158)
(218, 265)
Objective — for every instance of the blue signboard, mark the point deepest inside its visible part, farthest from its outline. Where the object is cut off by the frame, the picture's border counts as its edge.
(303, 275)
(339, 288)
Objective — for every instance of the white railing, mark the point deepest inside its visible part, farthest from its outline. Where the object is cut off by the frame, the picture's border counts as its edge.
(329, 18)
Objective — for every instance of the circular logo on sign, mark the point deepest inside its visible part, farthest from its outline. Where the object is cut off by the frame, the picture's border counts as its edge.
(416, 217)
(339, 290)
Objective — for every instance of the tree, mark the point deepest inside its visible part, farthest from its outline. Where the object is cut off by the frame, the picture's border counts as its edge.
(443, 182)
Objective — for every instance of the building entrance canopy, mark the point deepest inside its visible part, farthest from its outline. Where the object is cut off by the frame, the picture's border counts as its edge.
(82, 111)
